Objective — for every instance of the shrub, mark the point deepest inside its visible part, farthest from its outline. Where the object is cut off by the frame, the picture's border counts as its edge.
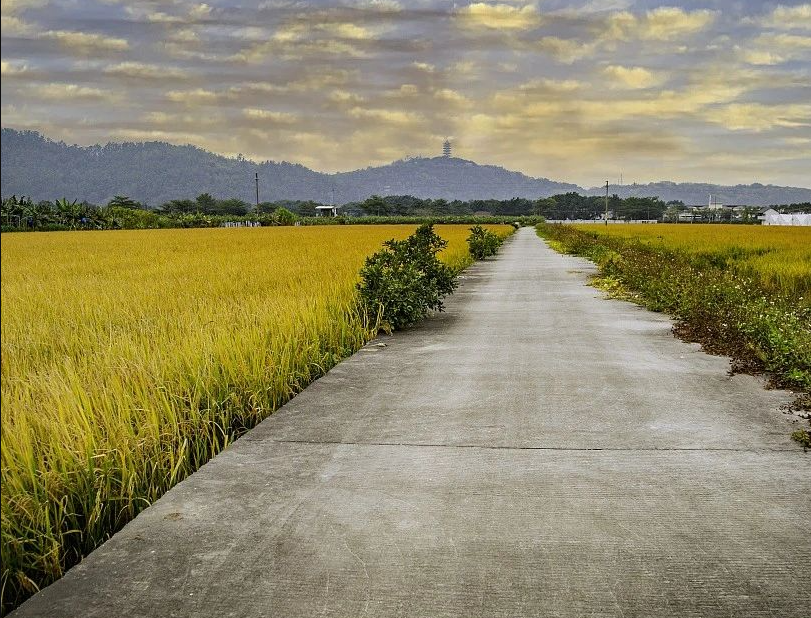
(402, 281)
(483, 243)
(282, 216)
(803, 437)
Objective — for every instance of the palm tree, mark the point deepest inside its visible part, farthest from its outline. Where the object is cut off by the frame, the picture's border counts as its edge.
(39, 213)
(13, 210)
(69, 212)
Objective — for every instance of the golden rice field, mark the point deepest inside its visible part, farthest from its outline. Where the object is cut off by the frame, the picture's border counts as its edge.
(129, 358)
(779, 256)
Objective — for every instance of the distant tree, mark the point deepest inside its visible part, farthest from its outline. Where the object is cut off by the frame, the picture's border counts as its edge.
(266, 207)
(42, 213)
(616, 207)
(304, 208)
(231, 206)
(179, 206)
(375, 205)
(69, 213)
(15, 209)
(750, 214)
(440, 206)
(546, 207)
(206, 203)
(671, 213)
(123, 201)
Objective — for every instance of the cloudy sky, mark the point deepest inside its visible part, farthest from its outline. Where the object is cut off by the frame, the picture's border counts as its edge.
(581, 91)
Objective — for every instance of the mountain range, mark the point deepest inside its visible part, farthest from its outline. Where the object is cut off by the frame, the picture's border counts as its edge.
(156, 172)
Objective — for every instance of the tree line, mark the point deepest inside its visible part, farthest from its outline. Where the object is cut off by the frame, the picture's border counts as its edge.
(205, 210)
(562, 206)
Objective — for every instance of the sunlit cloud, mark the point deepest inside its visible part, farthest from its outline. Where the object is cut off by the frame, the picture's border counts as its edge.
(569, 90)
(11, 69)
(71, 93)
(266, 115)
(498, 16)
(785, 18)
(566, 50)
(632, 77)
(758, 117)
(145, 71)
(86, 41)
(664, 24)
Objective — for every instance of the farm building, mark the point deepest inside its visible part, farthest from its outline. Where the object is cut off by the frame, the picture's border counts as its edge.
(772, 217)
(326, 211)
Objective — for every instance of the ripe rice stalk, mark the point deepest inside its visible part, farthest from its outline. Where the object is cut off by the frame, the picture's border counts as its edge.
(130, 358)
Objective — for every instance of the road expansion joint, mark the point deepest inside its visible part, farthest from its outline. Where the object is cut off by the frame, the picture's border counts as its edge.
(788, 449)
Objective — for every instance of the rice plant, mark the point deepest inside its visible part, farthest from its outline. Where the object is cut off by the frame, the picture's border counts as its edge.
(779, 256)
(131, 358)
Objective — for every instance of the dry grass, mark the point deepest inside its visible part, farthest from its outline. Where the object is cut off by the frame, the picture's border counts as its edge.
(131, 358)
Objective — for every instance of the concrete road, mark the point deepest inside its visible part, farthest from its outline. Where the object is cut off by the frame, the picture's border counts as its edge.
(535, 451)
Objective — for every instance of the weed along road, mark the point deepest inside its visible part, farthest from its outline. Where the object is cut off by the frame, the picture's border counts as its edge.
(536, 450)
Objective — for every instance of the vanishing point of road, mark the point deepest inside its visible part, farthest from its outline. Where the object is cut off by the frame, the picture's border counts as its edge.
(537, 450)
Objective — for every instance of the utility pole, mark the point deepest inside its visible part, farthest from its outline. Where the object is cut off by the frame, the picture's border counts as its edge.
(256, 178)
(606, 203)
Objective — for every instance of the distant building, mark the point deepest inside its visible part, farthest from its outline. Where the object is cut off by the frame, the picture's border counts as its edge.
(693, 213)
(772, 217)
(446, 148)
(714, 204)
(326, 210)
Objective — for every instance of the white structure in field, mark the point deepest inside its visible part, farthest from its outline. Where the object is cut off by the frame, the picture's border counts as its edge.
(772, 217)
(714, 204)
(324, 210)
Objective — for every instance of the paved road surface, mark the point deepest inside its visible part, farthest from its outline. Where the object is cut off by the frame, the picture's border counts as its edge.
(535, 451)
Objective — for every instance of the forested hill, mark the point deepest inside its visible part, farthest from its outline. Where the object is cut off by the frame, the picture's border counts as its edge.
(447, 178)
(151, 172)
(156, 172)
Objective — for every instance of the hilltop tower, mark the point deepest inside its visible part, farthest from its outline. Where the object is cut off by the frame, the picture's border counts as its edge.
(446, 148)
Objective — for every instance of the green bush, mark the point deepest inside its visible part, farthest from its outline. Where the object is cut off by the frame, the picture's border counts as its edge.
(282, 216)
(402, 281)
(482, 243)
